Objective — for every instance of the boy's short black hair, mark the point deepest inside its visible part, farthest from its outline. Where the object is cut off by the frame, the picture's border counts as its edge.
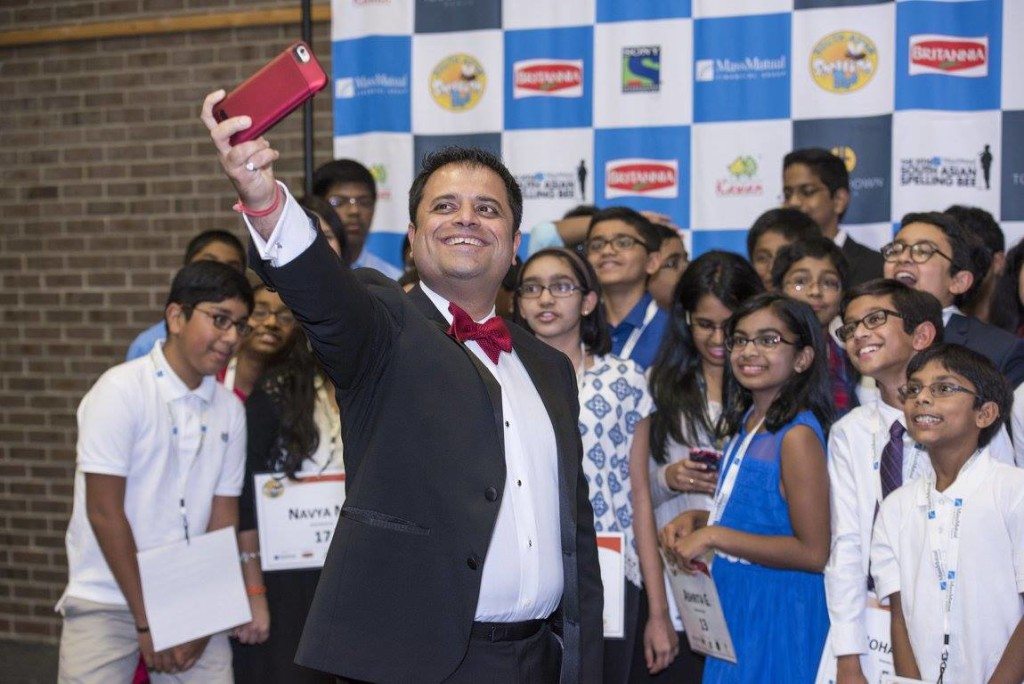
(830, 169)
(342, 171)
(988, 382)
(914, 306)
(979, 222)
(196, 244)
(969, 252)
(208, 281)
(817, 247)
(580, 210)
(792, 224)
(648, 233)
(666, 233)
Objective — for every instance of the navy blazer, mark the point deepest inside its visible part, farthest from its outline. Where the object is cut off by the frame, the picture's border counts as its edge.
(424, 457)
(1004, 349)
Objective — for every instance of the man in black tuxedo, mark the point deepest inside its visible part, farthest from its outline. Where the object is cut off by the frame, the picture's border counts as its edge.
(465, 550)
(816, 182)
(935, 254)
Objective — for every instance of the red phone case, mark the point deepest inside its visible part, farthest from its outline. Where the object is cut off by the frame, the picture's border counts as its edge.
(273, 92)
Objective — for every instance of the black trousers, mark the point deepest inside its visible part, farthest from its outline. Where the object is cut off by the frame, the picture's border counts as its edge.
(535, 659)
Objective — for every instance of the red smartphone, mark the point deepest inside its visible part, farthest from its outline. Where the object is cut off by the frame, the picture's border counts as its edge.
(708, 457)
(273, 92)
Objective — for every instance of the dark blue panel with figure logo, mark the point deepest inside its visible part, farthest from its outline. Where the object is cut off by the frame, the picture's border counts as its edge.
(441, 16)
(1013, 166)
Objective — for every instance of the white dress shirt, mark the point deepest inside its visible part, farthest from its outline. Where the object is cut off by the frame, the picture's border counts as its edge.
(522, 574)
(987, 605)
(1017, 425)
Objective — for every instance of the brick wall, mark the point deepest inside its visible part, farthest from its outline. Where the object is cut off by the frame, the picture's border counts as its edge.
(105, 174)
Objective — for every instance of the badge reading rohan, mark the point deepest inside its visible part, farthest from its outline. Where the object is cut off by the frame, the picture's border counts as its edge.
(458, 82)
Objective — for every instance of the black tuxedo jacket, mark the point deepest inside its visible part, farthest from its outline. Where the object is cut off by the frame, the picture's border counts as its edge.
(865, 263)
(1004, 349)
(424, 457)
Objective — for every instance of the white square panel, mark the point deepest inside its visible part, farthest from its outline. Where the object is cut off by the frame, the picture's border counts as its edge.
(354, 19)
(1013, 55)
(550, 165)
(734, 8)
(524, 14)
(457, 82)
(389, 158)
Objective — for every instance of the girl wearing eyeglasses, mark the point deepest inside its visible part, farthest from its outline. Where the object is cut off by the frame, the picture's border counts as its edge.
(558, 297)
(768, 530)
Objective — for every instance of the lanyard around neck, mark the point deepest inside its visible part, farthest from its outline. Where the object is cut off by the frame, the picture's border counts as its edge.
(634, 337)
(733, 462)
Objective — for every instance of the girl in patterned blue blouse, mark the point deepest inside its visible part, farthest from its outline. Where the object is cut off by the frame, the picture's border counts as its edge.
(769, 524)
(557, 296)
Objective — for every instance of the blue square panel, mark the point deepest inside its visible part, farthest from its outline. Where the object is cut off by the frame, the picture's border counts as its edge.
(741, 68)
(445, 16)
(640, 10)
(548, 80)
(371, 84)
(729, 240)
(644, 168)
(949, 55)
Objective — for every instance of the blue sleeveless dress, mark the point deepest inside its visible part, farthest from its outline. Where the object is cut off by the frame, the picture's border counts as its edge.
(778, 619)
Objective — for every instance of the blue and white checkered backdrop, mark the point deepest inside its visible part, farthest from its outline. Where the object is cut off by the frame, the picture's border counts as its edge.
(687, 108)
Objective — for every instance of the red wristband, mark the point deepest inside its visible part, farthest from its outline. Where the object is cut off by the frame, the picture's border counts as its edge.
(242, 209)
(256, 590)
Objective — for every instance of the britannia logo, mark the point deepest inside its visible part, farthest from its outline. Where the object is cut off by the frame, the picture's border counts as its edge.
(949, 55)
(844, 62)
(641, 177)
(641, 69)
(458, 82)
(547, 78)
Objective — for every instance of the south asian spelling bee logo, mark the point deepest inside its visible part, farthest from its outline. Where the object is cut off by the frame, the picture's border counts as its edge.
(843, 62)
(458, 82)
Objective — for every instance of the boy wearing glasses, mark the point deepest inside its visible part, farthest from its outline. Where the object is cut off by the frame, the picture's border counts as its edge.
(622, 246)
(870, 454)
(933, 253)
(161, 455)
(948, 549)
(814, 271)
(816, 182)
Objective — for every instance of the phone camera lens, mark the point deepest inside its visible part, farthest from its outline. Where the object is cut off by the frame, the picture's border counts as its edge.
(302, 53)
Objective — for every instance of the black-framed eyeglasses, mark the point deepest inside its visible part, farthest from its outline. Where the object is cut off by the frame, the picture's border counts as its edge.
(826, 283)
(920, 252)
(739, 342)
(619, 243)
(705, 325)
(559, 289)
(938, 390)
(224, 323)
(805, 191)
(283, 316)
(875, 319)
(343, 201)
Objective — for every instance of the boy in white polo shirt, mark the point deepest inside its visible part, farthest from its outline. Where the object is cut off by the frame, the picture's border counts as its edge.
(884, 324)
(948, 548)
(161, 454)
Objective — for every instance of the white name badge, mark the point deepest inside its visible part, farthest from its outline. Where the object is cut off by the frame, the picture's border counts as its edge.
(610, 547)
(876, 663)
(701, 611)
(296, 518)
(893, 679)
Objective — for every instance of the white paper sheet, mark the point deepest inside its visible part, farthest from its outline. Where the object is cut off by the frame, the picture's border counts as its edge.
(194, 589)
(613, 576)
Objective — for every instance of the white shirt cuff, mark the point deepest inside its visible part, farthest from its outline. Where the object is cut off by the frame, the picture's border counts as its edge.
(292, 235)
(849, 638)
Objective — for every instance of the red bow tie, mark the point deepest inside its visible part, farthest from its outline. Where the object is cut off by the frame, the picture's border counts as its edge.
(492, 335)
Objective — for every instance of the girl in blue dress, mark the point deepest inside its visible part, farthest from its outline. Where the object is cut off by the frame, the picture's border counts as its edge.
(768, 529)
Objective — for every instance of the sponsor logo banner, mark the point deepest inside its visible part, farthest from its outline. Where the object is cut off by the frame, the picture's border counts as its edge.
(959, 172)
(844, 61)
(746, 69)
(641, 69)
(458, 82)
(552, 185)
(547, 78)
(641, 178)
(949, 55)
(375, 84)
(743, 179)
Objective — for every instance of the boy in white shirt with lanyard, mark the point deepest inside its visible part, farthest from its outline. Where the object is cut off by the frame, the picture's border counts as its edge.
(884, 324)
(161, 456)
(948, 548)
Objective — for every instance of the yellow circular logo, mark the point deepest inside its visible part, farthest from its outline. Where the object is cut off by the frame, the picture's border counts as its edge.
(458, 82)
(844, 61)
(273, 488)
(849, 157)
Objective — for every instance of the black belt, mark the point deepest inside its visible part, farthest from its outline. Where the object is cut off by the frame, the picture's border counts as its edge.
(506, 631)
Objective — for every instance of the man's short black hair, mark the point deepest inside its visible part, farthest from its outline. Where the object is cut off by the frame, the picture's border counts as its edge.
(969, 253)
(817, 247)
(914, 306)
(648, 233)
(988, 382)
(196, 244)
(472, 157)
(792, 224)
(208, 281)
(342, 171)
(830, 169)
(979, 222)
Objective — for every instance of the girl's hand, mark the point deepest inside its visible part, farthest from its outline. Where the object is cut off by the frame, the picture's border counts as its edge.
(256, 631)
(661, 643)
(679, 527)
(693, 547)
(690, 476)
